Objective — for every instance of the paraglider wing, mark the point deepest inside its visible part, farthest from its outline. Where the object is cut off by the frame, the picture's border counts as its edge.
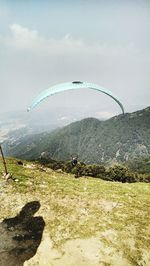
(72, 86)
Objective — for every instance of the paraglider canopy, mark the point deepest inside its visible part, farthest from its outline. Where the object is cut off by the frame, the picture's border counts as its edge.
(72, 86)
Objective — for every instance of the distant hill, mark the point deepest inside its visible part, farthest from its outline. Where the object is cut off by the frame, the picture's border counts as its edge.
(118, 139)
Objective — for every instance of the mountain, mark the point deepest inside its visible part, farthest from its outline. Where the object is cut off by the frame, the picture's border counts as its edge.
(118, 139)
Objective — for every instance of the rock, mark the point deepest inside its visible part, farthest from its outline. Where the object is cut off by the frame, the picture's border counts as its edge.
(7, 176)
(45, 155)
(20, 162)
(59, 171)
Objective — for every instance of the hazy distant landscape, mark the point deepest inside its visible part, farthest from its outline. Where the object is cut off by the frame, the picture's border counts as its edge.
(41, 120)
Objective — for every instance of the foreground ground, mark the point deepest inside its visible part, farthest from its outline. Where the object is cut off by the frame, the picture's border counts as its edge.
(83, 221)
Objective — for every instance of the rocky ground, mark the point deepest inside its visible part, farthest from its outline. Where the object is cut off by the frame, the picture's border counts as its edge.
(51, 218)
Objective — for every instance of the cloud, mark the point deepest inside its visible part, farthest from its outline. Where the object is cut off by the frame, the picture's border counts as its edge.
(33, 61)
(22, 38)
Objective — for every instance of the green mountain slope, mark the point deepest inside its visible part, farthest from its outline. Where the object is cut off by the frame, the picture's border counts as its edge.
(120, 138)
(88, 221)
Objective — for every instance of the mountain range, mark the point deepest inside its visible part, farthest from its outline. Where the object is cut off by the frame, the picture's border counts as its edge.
(118, 139)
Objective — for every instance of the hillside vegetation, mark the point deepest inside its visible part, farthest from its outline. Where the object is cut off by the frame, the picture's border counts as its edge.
(88, 221)
(119, 139)
(138, 172)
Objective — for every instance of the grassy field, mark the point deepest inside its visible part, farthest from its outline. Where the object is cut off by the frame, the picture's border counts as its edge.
(115, 214)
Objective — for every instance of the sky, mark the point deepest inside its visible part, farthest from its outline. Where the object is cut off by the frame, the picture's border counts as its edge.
(45, 42)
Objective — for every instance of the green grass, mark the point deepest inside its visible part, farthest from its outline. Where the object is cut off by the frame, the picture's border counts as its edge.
(81, 208)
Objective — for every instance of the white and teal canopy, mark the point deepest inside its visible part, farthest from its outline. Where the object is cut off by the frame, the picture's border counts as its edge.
(72, 86)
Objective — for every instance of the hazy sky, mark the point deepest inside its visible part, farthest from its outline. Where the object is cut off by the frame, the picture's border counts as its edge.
(43, 43)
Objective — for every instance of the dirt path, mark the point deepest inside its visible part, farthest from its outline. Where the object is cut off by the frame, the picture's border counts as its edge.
(83, 252)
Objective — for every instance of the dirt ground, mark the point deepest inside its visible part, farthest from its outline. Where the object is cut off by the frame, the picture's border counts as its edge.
(83, 252)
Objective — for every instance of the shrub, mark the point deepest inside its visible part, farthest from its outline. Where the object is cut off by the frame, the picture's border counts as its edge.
(88, 170)
(67, 167)
(144, 178)
(122, 174)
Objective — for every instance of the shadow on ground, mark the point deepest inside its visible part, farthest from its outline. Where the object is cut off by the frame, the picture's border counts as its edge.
(21, 236)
